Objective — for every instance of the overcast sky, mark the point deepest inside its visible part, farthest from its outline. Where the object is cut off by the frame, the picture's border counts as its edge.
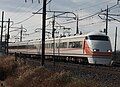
(18, 11)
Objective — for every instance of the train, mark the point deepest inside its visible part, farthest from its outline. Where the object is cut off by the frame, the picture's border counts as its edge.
(93, 48)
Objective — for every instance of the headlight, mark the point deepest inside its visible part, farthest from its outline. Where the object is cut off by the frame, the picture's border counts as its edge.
(95, 50)
(109, 50)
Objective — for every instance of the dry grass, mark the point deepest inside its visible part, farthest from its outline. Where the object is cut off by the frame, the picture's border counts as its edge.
(83, 83)
(58, 80)
(7, 65)
(28, 76)
(32, 77)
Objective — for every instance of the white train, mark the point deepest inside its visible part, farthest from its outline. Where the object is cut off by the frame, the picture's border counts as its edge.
(95, 47)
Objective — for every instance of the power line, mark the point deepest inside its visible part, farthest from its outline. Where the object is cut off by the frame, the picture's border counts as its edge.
(29, 7)
(24, 20)
(18, 6)
(24, 10)
(92, 14)
(93, 23)
(82, 18)
(31, 15)
(95, 5)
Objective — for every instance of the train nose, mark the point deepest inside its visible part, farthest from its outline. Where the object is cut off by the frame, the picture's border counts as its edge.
(99, 60)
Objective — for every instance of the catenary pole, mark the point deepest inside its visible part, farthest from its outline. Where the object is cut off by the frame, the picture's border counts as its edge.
(21, 31)
(43, 31)
(2, 26)
(77, 29)
(106, 20)
(115, 42)
(53, 36)
(8, 36)
(118, 1)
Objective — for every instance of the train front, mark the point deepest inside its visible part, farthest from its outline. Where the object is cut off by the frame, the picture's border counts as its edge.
(97, 48)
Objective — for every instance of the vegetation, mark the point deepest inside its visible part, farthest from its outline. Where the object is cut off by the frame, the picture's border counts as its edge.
(20, 74)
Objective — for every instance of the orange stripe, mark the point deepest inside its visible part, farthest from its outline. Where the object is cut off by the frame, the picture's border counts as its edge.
(86, 49)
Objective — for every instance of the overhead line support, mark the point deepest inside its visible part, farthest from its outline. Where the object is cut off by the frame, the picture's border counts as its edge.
(43, 31)
(2, 26)
(8, 37)
(106, 31)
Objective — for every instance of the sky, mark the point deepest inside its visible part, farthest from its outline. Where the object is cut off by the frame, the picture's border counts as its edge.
(21, 14)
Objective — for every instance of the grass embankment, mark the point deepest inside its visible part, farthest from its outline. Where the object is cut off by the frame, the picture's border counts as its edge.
(20, 74)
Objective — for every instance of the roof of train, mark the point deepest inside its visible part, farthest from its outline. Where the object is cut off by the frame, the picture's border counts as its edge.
(68, 37)
(62, 38)
(78, 35)
(96, 33)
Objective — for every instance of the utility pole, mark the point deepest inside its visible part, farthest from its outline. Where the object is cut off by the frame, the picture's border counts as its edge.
(43, 31)
(115, 42)
(53, 24)
(77, 30)
(8, 36)
(2, 25)
(4, 45)
(62, 13)
(106, 20)
(21, 31)
(1, 42)
(118, 1)
(53, 36)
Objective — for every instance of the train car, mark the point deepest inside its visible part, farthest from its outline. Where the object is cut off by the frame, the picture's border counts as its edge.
(98, 48)
(95, 47)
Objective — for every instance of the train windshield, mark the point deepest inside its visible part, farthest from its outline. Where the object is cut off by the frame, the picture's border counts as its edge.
(97, 37)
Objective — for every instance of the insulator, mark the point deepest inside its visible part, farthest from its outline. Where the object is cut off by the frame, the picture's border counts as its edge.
(38, 1)
(32, 1)
(25, 1)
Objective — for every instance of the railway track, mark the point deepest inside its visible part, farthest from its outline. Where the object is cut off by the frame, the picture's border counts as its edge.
(58, 58)
(72, 64)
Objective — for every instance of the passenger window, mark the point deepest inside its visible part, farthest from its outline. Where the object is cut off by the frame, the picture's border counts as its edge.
(76, 44)
(63, 45)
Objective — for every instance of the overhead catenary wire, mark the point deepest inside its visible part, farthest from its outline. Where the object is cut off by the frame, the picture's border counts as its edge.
(74, 21)
(97, 5)
(18, 6)
(93, 23)
(31, 15)
(18, 16)
(28, 10)
(89, 16)
(36, 12)
(92, 15)
(104, 2)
